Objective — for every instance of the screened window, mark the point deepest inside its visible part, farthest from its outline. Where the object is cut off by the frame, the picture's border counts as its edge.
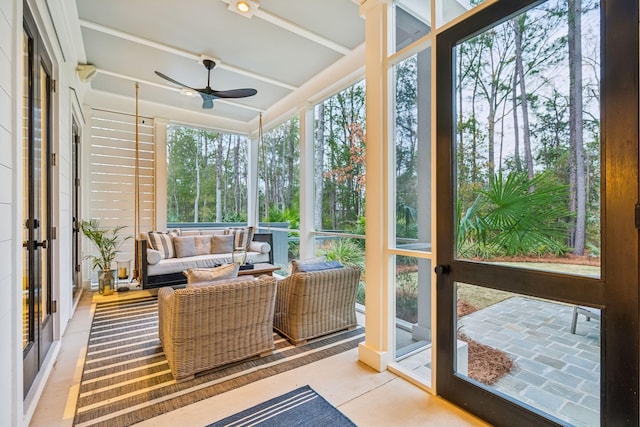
(206, 175)
(340, 162)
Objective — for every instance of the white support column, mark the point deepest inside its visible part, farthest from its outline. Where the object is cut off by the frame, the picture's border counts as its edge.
(377, 350)
(86, 213)
(435, 10)
(307, 187)
(253, 212)
(160, 190)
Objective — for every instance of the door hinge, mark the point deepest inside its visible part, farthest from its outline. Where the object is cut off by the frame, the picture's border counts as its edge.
(637, 215)
(53, 85)
(53, 159)
(77, 182)
(54, 233)
(77, 268)
(54, 307)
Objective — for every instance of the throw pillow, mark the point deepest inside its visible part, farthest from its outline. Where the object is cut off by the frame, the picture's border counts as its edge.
(221, 282)
(163, 243)
(184, 246)
(242, 236)
(319, 266)
(221, 244)
(203, 245)
(298, 262)
(226, 271)
(153, 256)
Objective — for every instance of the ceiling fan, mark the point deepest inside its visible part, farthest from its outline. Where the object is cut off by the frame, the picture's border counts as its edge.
(208, 94)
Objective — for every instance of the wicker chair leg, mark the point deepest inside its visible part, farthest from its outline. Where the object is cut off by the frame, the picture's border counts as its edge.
(265, 354)
(184, 379)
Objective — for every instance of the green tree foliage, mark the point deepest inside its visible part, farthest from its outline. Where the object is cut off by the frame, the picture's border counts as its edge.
(343, 176)
(514, 115)
(206, 175)
(279, 172)
(406, 146)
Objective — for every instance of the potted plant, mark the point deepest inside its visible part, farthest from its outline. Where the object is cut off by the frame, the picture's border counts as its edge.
(108, 241)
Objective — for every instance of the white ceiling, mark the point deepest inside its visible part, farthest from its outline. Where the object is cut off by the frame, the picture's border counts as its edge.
(281, 51)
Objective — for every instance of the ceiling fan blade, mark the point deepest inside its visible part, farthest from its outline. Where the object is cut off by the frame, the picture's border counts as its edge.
(164, 76)
(209, 95)
(234, 93)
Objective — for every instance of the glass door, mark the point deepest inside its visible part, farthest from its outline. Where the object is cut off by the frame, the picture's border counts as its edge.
(36, 281)
(530, 264)
(75, 210)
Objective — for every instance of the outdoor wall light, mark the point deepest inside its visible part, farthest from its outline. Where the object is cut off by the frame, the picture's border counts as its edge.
(86, 72)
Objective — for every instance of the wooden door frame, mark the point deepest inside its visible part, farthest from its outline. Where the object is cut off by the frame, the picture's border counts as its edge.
(40, 331)
(617, 290)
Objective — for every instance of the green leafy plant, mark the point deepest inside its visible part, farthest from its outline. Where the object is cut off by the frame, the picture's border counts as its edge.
(107, 240)
(349, 253)
(514, 216)
(345, 251)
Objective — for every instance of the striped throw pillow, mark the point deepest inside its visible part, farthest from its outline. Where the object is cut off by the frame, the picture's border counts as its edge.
(163, 243)
(242, 236)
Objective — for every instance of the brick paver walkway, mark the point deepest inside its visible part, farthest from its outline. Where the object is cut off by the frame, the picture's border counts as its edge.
(556, 371)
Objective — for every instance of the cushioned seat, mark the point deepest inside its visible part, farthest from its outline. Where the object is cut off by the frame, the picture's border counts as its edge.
(204, 327)
(311, 304)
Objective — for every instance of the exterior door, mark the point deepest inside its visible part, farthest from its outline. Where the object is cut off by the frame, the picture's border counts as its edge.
(75, 211)
(537, 182)
(36, 282)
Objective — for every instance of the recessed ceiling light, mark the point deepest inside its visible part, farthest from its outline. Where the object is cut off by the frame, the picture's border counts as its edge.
(242, 6)
(245, 8)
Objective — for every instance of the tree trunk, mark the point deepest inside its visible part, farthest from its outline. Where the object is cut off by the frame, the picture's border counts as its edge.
(196, 201)
(575, 122)
(319, 169)
(491, 119)
(516, 128)
(290, 170)
(460, 155)
(474, 138)
(526, 133)
(219, 178)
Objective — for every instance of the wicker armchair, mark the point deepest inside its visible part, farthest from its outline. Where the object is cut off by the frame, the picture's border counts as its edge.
(316, 303)
(205, 327)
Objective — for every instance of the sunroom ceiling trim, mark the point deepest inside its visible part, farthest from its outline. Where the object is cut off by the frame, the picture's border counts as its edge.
(173, 50)
(196, 118)
(298, 30)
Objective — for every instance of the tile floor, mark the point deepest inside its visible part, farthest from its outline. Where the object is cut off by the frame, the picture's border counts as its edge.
(367, 397)
(555, 370)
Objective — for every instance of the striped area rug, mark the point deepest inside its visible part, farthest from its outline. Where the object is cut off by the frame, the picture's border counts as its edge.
(300, 407)
(126, 377)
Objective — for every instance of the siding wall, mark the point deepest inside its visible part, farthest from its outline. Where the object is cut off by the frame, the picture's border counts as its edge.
(54, 22)
(110, 186)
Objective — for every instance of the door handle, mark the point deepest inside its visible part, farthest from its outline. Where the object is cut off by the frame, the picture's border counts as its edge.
(42, 244)
(442, 269)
